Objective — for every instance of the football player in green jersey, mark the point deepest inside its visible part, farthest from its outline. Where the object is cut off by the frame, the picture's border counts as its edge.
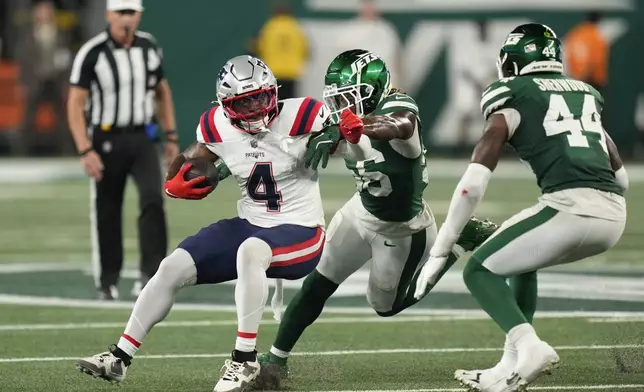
(554, 124)
(386, 221)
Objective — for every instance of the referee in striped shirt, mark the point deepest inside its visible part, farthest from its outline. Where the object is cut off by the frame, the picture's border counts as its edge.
(117, 80)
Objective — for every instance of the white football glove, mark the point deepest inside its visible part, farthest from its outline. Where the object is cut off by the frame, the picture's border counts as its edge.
(429, 274)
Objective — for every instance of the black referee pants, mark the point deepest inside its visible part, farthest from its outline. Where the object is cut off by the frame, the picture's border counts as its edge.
(123, 154)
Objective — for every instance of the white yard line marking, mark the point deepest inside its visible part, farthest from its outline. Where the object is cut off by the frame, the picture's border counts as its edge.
(219, 323)
(459, 314)
(338, 353)
(19, 268)
(617, 320)
(225, 323)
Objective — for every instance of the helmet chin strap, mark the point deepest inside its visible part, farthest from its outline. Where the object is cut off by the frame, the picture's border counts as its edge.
(251, 126)
(257, 125)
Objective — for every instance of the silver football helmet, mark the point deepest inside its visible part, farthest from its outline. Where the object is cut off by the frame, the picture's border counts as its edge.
(247, 90)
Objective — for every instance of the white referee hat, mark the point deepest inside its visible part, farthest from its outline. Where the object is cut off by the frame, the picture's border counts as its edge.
(121, 5)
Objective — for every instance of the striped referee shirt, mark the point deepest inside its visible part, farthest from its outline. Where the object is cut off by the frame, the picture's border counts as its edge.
(121, 81)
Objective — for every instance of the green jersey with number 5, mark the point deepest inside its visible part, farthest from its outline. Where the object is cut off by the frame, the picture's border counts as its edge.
(391, 184)
(555, 126)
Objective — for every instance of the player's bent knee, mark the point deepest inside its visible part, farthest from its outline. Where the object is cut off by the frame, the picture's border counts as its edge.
(254, 250)
(178, 270)
(472, 267)
(381, 301)
(318, 285)
(389, 313)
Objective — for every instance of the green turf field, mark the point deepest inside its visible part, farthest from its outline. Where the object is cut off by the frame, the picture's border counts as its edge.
(593, 311)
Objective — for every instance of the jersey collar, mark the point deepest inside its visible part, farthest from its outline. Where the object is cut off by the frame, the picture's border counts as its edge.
(114, 43)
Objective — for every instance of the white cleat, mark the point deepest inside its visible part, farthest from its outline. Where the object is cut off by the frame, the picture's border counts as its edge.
(104, 365)
(488, 380)
(238, 376)
(533, 362)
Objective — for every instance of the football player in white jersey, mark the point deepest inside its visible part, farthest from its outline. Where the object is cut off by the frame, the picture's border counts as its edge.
(279, 229)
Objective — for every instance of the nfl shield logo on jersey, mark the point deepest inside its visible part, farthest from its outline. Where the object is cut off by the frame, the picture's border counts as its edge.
(253, 143)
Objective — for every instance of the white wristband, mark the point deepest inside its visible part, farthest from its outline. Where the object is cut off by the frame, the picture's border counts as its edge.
(622, 178)
(467, 194)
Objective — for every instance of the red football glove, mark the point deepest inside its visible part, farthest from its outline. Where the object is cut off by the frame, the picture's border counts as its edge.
(179, 188)
(351, 126)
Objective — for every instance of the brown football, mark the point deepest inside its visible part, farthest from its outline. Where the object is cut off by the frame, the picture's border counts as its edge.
(203, 167)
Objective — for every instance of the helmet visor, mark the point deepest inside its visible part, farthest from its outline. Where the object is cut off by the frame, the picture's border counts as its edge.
(251, 106)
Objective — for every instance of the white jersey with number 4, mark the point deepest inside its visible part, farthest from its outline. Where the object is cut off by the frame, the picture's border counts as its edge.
(269, 165)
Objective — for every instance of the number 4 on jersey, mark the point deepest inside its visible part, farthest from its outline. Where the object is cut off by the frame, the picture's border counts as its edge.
(560, 120)
(262, 187)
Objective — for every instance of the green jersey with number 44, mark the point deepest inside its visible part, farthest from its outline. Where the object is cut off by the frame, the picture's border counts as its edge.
(391, 184)
(555, 126)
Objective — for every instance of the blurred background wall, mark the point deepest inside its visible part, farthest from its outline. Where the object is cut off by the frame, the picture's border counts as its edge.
(442, 52)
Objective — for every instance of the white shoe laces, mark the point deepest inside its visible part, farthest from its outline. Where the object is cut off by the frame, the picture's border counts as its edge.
(233, 369)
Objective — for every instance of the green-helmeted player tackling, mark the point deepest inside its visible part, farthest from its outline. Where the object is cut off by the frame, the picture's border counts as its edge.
(386, 221)
(554, 124)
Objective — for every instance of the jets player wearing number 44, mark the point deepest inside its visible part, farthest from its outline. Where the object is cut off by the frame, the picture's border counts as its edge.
(279, 229)
(554, 124)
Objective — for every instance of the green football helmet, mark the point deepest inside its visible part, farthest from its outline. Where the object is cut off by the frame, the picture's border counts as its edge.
(530, 48)
(356, 79)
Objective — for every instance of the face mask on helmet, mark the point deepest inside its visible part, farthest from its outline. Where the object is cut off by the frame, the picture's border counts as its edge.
(253, 110)
(338, 99)
(505, 68)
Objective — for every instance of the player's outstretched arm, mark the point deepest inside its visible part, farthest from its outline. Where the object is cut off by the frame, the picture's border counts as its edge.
(397, 125)
(467, 195)
(616, 163)
(472, 185)
(195, 150)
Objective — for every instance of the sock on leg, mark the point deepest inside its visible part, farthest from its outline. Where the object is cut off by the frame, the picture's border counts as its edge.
(251, 291)
(525, 293)
(301, 312)
(509, 358)
(279, 353)
(128, 345)
(525, 289)
(156, 299)
(522, 336)
(493, 295)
